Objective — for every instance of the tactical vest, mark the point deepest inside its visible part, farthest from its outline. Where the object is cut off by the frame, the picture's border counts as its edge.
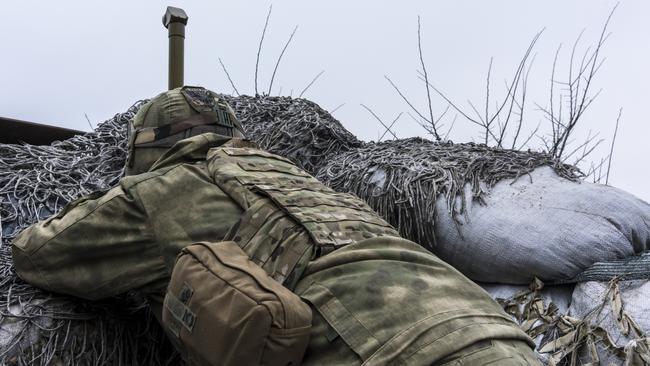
(289, 216)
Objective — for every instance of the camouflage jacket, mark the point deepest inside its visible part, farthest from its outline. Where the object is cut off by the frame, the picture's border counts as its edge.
(377, 298)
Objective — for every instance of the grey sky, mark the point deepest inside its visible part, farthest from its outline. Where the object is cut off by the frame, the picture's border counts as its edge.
(62, 60)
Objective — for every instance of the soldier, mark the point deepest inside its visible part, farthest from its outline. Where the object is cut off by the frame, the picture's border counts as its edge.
(195, 186)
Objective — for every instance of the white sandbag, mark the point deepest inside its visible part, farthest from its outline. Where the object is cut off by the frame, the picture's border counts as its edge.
(544, 226)
(591, 302)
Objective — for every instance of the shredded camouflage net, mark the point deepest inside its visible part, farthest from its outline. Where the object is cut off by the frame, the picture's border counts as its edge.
(294, 128)
(566, 340)
(401, 179)
(39, 328)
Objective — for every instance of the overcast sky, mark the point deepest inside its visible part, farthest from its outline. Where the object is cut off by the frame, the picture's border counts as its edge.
(60, 60)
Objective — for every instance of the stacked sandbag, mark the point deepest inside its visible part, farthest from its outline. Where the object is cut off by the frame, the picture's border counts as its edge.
(621, 310)
(542, 225)
(482, 209)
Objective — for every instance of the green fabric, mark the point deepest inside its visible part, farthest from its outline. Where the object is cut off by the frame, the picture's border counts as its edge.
(175, 107)
(494, 352)
(290, 216)
(129, 238)
(383, 300)
(386, 301)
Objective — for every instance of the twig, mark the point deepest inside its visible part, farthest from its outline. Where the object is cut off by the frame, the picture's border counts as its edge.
(579, 99)
(443, 96)
(405, 99)
(453, 122)
(426, 84)
(552, 101)
(512, 91)
(530, 137)
(487, 97)
(88, 120)
(311, 83)
(259, 48)
(337, 108)
(522, 105)
(586, 149)
(275, 69)
(391, 126)
(379, 119)
(228, 76)
(611, 150)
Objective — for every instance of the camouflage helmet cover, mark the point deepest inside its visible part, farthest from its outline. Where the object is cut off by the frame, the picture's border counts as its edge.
(175, 115)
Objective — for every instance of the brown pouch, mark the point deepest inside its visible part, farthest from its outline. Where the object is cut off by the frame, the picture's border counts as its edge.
(222, 309)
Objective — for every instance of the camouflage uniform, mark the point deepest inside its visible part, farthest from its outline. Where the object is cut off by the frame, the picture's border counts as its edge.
(377, 299)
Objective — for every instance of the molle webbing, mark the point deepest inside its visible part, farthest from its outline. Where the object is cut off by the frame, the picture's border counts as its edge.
(289, 213)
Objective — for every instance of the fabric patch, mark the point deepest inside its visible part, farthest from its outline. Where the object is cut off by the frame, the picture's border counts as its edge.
(180, 312)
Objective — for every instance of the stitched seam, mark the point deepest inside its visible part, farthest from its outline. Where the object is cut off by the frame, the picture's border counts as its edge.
(389, 342)
(349, 312)
(428, 344)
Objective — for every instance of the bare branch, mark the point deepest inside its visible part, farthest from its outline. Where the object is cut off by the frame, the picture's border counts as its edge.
(228, 76)
(584, 152)
(426, 80)
(508, 100)
(512, 91)
(337, 108)
(277, 63)
(487, 94)
(442, 115)
(88, 120)
(311, 83)
(454, 106)
(478, 114)
(522, 105)
(586, 148)
(405, 99)
(579, 99)
(534, 133)
(379, 119)
(611, 150)
(391, 126)
(552, 101)
(453, 122)
(259, 48)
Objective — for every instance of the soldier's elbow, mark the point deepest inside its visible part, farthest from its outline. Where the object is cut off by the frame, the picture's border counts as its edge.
(27, 270)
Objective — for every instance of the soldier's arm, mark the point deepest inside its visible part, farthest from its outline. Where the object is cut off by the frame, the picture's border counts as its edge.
(97, 247)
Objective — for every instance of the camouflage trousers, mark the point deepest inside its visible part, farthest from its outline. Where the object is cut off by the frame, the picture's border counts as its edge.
(387, 301)
(493, 352)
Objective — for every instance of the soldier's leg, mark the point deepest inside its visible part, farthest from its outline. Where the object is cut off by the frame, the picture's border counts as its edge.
(388, 301)
(493, 352)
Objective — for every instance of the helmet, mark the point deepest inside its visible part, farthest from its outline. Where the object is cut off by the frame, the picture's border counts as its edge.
(175, 115)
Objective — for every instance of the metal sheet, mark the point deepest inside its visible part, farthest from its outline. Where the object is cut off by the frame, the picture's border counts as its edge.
(13, 131)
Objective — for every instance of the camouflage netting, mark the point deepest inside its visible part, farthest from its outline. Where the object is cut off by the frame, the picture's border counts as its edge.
(400, 179)
(40, 328)
(294, 128)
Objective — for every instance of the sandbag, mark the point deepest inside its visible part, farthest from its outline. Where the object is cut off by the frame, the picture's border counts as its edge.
(541, 225)
(622, 309)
